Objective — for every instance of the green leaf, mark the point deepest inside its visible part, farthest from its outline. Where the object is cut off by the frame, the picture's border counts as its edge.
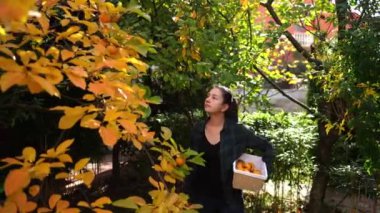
(197, 160)
(154, 100)
(140, 46)
(133, 7)
(189, 152)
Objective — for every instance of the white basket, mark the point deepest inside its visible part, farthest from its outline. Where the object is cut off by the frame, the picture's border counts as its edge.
(247, 180)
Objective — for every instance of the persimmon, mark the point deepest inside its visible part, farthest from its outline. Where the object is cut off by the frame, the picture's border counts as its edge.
(247, 167)
(112, 50)
(105, 18)
(180, 161)
(239, 164)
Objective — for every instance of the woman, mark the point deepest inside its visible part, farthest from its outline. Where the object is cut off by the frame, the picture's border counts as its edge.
(222, 140)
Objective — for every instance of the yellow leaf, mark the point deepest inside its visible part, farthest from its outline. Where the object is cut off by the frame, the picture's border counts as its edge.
(195, 206)
(53, 75)
(42, 170)
(65, 22)
(86, 42)
(111, 115)
(62, 204)
(67, 33)
(76, 37)
(158, 168)
(72, 115)
(53, 52)
(29, 206)
(87, 178)
(169, 179)
(81, 164)
(33, 30)
(65, 158)
(172, 199)
(50, 153)
(9, 79)
(20, 199)
(34, 190)
(44, 22)
(70, 210)
(33, 86)
(101, 202)
(89, 121)
(166, 133)
(92, 27)
(6, 51)
(97, 210)
(110, 135)
(136, 143)
(129, 126)
(83, 204)
(54, 198)
(328, 127)
(11, 161)
(369, 92)
(2, 31)
(100, 88)
(138, 200)
(9, 207)
(66, 54)
(26, 56)
(43, 210)
(88, 97)
(76, 75)
(159, 197)
(46, 85)
(110, 63)
(62, 175)
(63, 147)
(141, 66)
(155, 183)
(16, 180)
(29, 154)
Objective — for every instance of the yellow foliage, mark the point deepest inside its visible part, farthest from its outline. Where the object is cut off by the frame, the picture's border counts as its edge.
(103, 61)
(101, 202)
(16, 181)
(14, 10)
(81, 164)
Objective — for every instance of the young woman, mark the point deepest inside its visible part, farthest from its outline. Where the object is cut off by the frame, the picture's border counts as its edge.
(222, 140)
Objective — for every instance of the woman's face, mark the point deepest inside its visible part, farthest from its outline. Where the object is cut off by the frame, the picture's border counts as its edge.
(214, 102)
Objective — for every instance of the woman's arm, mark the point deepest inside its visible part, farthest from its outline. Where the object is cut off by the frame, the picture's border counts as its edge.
(261, 143)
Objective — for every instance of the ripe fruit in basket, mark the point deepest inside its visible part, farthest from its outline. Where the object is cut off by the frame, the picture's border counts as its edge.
(247, 166)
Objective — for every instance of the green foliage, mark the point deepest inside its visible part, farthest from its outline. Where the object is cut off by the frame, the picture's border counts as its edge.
(293, 136)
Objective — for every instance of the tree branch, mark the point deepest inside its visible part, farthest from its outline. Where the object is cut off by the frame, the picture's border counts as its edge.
(220, 13)
(261, 72)
(317, 63)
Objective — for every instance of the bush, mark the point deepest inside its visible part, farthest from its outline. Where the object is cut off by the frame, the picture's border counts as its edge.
(293, 136)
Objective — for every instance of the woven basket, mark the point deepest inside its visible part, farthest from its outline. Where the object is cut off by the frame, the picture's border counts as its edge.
(246, 180)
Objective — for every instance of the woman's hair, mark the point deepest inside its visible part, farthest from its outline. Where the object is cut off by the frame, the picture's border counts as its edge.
(232, 111)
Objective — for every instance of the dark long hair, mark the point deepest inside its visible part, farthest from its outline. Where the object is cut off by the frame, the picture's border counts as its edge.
(232, 111)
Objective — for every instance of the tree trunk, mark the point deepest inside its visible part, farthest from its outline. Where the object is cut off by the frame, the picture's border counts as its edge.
(327, 141)
(321, 177)
(116, 160)
(323, 157)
